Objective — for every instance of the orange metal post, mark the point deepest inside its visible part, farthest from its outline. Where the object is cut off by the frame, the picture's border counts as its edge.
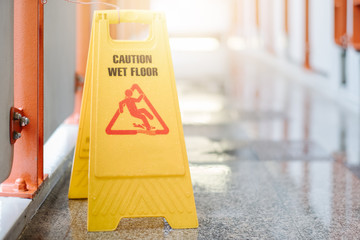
(27, 171)
(340, 35)
(356, 25)
(286, 17)
(307, 40)
(83, 28)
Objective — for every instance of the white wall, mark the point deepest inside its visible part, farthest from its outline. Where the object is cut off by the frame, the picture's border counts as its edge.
(324, 53)
(353, 75)
(296, 40)
(59, 63)
(353, 60)
(279, 27)
(266, 19)
(249, 18)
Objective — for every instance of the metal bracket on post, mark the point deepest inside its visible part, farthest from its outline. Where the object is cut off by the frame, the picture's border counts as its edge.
(17, 122)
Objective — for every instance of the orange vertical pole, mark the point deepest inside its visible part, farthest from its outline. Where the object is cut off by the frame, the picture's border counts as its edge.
(356, 25)
(257, 15)
(307, 40)
(27, 171)
(83, 28)
(340, 33)
(286, 17)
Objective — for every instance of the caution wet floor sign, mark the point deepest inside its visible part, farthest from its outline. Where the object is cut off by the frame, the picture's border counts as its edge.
(130, 158)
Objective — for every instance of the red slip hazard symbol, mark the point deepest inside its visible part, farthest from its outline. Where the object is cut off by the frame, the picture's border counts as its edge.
(142, 116)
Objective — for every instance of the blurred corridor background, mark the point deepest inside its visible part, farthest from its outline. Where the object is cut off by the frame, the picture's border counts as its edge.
(269, 99)
(320, 36)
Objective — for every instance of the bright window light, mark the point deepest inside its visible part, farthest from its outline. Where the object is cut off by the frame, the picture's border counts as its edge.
(236, 43)
(199, 44)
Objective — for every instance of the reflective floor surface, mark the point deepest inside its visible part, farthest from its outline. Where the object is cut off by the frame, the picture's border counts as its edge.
(269, 159)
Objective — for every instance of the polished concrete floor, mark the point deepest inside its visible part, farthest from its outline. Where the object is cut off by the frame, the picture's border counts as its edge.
(269, 159)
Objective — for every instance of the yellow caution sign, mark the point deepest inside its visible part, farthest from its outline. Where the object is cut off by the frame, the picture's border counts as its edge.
(130, 158)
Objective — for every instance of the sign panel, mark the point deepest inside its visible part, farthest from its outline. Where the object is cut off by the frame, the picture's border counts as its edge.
(130, 127)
